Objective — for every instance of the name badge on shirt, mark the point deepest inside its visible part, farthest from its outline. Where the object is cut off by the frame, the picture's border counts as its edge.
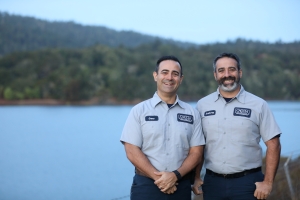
(209, 113)
(243, 112)
(185, 118)
(151, 118)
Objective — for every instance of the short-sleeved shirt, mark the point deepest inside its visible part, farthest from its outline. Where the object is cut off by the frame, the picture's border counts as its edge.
(165, 135)
(233, 131)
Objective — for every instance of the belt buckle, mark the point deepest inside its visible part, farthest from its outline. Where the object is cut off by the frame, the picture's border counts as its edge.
(224, 175)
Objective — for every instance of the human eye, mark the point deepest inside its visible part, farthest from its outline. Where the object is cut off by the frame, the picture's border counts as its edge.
(221, 70)
(164, 72)
(232, 69)
(175, 74)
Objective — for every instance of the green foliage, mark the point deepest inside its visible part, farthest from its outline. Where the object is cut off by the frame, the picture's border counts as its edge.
(270, 71)
(67, 65)
(8, 94)
(27, 33)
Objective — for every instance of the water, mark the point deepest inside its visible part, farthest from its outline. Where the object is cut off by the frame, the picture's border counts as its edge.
(74, 153)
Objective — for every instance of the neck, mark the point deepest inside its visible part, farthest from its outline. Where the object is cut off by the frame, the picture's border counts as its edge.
(230, 94)
(168, 98)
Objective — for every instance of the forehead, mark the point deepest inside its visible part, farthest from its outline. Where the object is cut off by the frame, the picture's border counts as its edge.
(170, 65)
(226, 62)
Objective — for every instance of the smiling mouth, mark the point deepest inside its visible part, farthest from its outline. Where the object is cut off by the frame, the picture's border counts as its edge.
(168, 83)
(228, 80)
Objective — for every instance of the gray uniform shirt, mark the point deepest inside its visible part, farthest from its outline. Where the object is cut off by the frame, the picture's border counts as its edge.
(233, 131)
(164, 134)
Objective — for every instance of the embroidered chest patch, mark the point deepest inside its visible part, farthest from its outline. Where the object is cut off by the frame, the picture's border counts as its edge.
(209, 113)
(151, 118)
(185, 118)
(243, 112)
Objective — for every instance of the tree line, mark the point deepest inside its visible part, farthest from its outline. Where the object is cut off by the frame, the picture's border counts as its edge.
(124, 74)
(22, 33)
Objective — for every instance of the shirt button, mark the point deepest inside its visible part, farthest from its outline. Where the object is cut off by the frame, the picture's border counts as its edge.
(224, 147)
(168, 139)
(166, 168)
(167, 154)
(169, 124)
(224, 132)
(225, 118)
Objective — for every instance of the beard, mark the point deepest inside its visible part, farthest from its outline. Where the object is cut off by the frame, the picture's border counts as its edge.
(229, 87)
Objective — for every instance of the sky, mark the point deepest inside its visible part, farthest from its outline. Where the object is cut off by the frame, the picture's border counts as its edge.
(197, 21)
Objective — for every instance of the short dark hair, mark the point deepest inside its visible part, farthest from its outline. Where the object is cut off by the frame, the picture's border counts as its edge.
(168, 58)
(229, 55)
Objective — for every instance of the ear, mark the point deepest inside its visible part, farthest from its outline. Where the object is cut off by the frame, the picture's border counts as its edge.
(155, 76)
(181, 78)
(215, 75)
(241, 73)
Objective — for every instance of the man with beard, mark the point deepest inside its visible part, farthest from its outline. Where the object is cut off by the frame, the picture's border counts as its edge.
(163, 139)
(233, 122)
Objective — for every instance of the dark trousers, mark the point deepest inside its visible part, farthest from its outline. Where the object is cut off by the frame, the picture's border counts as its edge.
(143, 188)
(219, 188)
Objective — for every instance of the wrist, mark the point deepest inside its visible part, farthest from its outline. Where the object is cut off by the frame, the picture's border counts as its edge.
(178, 175)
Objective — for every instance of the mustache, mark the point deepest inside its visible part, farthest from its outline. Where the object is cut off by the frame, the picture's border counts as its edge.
(227, 78)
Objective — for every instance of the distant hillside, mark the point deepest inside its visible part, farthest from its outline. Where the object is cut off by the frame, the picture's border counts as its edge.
(19, 33)
(102, 74)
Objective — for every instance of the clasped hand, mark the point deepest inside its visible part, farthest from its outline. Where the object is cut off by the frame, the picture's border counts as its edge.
(166, 182)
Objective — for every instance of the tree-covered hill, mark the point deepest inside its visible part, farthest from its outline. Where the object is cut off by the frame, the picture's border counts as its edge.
(99, 72)
(19, 33)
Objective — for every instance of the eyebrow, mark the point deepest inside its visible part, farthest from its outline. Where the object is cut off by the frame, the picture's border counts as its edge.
(173, 71)
(230, 67)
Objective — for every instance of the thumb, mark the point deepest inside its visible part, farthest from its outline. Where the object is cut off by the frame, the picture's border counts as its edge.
(158, 173)
(196, 190)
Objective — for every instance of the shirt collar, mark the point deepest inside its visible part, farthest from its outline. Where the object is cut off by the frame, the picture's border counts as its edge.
(156, 100)
(240, 96)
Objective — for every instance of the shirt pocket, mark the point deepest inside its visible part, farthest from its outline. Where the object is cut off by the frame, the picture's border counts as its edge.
(152, 133)
(241, 131)
(211, 129)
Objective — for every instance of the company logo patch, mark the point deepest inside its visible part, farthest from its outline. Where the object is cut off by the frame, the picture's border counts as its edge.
(209, 113)
(151, 118)
(243, 112)
(185, 118)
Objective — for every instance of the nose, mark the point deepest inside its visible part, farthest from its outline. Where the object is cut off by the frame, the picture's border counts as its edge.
(226, 74)
(169, 76)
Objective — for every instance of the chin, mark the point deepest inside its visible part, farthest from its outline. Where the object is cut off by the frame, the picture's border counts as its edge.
(229, 88)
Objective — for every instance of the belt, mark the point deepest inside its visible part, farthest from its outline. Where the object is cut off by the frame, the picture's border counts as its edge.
(235, 175)
(188, 176)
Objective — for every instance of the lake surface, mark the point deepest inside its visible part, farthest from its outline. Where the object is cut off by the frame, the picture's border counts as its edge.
(74, 153)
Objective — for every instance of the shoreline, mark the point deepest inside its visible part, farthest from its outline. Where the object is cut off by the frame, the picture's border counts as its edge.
(55, 102)
(91, 102)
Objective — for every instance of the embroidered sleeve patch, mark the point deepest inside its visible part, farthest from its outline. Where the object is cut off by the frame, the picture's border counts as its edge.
(210, 112)
(243, 112)
(151, 118)
(185, 118)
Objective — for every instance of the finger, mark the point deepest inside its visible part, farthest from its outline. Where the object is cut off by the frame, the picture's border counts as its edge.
(157, 182)
(165, 189)
(256, 193)
(196, 190)
(172, 190)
